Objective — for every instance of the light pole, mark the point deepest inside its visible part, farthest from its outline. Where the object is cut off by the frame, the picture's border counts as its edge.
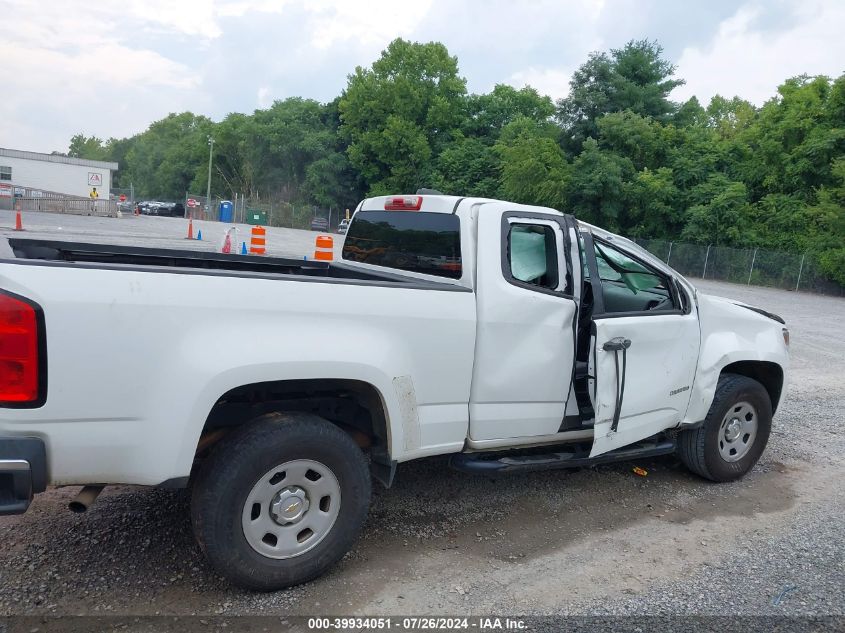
(208, 191)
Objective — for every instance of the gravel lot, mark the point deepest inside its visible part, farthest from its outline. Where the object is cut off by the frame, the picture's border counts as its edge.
(597, 541)
(154, 232)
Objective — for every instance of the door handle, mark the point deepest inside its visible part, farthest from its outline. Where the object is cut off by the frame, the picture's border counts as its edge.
(617, 344)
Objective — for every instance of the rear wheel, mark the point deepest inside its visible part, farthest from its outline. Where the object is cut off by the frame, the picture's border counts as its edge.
(734, 433)
(280, 501)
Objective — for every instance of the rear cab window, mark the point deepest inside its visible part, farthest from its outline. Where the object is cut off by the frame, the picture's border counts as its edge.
(414, 241)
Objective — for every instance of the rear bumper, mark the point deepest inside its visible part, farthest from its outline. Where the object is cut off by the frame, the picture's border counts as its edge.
(23, 472)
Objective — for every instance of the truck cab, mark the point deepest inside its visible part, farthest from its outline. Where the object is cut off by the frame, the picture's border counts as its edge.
(581, 335)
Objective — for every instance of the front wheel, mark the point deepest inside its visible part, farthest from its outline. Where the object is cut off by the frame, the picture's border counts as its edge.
(280, 501)
(734, 433)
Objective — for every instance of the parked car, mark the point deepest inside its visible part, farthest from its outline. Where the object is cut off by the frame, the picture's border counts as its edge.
(170, 209)
(344, 224)
(511, 337)
(176, 210)
(319, 224)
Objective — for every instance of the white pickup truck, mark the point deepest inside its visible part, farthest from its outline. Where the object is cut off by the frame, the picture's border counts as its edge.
(471, 327)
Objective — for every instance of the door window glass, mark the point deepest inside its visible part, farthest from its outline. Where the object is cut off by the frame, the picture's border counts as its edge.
(629, 286)
(532, 254)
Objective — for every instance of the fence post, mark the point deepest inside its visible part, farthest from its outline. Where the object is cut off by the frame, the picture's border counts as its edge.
(800, 270)
(706, 257)
(669, 255)
(753, 257)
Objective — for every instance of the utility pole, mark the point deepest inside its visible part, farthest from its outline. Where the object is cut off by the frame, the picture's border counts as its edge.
(208, 190)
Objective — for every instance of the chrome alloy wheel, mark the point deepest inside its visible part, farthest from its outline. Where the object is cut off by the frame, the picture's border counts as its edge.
(291, 509)
(737, 431)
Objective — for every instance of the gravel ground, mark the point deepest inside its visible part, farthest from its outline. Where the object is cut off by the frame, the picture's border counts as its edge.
(595, 542)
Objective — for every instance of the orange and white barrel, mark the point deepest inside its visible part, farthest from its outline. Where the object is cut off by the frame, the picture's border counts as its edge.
(324, 248)
(258, 241)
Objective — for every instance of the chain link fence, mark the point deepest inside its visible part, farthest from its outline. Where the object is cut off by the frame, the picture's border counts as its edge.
(754, 266)
(242, 210)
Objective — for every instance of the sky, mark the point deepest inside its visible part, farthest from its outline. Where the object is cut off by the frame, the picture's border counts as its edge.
(110, 68)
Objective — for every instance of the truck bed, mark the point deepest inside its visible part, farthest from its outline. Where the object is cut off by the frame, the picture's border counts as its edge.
(49, 252)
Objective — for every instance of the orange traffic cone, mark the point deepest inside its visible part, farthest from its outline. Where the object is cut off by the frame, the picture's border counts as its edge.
(227, 243)
(190, 229)
(18, 219)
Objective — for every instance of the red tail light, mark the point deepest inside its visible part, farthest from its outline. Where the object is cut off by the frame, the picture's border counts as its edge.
(21, 329)
(403, 203)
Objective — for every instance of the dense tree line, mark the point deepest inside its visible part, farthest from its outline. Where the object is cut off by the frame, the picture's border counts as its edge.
(616, 152)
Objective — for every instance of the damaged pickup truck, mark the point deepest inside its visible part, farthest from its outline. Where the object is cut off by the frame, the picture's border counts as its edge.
(512, 337)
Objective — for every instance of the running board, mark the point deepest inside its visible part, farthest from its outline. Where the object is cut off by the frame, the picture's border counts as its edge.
(481, 463)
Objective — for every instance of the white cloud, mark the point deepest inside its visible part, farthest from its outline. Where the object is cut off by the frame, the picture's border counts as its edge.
(743, 61)
(367, 22)
(239, 8)
(76, 67)
(190, 17)
(264, 98)
(553, 82)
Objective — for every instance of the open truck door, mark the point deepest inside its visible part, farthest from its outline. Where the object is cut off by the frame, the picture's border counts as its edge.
(644, 346)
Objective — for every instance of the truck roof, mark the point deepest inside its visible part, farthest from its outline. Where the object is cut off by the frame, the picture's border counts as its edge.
(430, 203)
(436, 203)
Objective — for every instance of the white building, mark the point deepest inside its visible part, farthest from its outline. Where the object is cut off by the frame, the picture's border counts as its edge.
(32, 175)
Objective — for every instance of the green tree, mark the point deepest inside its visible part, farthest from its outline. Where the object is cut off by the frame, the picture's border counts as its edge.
(652, 204)
(797, 136)
(166, 158)
(400, 113)
(467, 167)
(488, 114)
(690, 113)
(533, 168)
(827, 221)
(721, 214)
(728, 117)
(639, 138)
(89, 147)
(597, 188)
(634, 77)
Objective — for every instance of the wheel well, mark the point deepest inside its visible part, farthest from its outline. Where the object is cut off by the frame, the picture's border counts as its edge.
(353, 405)
(770, 375)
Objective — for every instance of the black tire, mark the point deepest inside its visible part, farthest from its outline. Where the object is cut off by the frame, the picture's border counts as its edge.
(242, 458)
(699, 448)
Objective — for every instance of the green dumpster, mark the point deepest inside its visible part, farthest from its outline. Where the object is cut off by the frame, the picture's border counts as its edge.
(255, 216)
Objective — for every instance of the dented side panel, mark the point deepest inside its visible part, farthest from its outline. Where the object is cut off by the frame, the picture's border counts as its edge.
(731, 333)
